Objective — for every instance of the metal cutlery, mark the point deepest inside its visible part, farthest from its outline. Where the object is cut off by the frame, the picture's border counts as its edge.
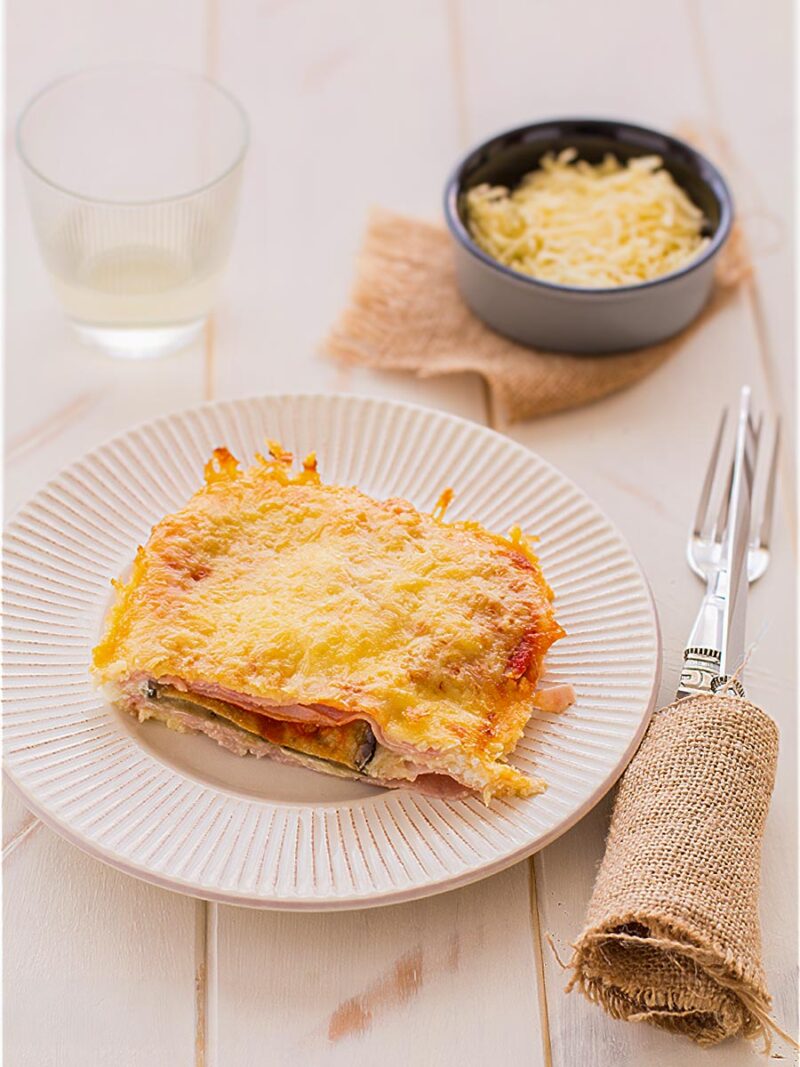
(728, 550)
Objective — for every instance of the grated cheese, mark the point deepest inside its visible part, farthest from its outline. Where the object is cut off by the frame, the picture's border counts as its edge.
(591, 225)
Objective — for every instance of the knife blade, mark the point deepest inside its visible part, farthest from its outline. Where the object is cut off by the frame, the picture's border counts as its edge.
(736, 545)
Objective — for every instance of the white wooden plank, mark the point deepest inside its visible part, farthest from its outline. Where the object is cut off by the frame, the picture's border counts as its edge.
(556, 58)
(441, 981)
(638, 455)
(755, 115)
(80, 410)
(351, 105)
(338, 124)
(18, 822)
(95, 964)
(61, 397)
(99, 967)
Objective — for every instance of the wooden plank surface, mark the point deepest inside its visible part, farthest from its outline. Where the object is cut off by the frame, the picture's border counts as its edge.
(354, 104)
(639, 455)
(441, 981)
(311, 180)
(98, 968)
(754, 115)
(62, 398)
(339, 125)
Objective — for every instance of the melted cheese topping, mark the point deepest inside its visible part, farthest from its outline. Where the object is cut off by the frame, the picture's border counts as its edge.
(594, 226)
(277, 586)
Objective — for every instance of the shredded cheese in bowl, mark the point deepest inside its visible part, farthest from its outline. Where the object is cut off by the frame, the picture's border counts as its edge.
(589, 225)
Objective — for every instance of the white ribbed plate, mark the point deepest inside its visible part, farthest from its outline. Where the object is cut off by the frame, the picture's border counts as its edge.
(179, 811)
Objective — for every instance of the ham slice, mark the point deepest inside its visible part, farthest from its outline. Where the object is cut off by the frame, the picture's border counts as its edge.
(555, 698)
(241, 743)
(313, 714)
(318, 714)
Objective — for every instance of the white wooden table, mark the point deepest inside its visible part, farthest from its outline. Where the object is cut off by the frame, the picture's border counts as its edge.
(354, 103)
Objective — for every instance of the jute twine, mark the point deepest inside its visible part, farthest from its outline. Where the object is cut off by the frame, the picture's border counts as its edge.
(672, 932)
(405, 313)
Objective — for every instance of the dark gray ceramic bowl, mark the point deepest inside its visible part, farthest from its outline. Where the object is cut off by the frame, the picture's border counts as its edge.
(564, 318)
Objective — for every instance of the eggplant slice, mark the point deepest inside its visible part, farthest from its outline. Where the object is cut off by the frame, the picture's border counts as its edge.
(351, 745)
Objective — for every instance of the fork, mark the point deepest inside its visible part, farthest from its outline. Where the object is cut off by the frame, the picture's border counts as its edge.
(704, 546)
(728, 550)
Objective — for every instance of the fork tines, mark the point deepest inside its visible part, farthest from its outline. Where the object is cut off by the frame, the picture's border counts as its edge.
(710, 522)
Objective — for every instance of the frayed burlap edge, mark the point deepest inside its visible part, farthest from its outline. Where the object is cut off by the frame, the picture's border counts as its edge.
(738, 1008)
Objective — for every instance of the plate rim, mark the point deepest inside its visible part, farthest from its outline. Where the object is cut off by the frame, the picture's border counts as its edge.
(392, 895)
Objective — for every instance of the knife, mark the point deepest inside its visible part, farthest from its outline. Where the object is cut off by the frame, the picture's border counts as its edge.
(714, 656)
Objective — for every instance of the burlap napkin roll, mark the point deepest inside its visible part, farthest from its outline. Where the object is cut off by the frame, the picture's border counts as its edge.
(405, 313)
(672, 934)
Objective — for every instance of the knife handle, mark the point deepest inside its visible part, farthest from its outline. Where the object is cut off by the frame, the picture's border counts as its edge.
(700, 668)
(700, 674)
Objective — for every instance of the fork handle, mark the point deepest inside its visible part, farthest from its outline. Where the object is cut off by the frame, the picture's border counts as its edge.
(703, 655)
(700, 668)
(700, 674)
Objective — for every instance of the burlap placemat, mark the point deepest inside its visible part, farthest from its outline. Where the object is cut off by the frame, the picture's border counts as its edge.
(672, 932)
(405, 313)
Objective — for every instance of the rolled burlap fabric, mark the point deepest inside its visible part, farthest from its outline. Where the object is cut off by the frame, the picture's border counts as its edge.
(672, 933)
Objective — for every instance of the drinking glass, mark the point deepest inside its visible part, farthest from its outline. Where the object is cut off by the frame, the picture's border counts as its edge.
(133, 175)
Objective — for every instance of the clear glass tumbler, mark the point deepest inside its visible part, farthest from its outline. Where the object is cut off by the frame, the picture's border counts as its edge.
(133, 175)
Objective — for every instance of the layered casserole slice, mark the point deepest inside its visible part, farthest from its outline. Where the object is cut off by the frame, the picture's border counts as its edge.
(315, 625)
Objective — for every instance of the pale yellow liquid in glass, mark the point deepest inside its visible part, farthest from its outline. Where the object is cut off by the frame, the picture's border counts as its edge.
(134, 287)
